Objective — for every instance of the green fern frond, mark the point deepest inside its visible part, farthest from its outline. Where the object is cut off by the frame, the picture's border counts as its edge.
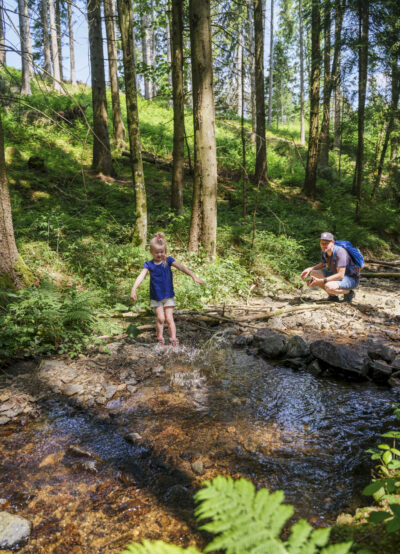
(157, 547)
(250, 522)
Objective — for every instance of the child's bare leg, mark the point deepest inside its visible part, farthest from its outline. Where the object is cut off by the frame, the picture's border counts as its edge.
(160, 321)
(169, 318)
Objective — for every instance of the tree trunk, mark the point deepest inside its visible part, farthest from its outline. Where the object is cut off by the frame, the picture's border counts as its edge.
(239, 70)
(102, 161)
(271, 65)
(119, 133)
(310, 181)
(153, 52)
(13, 271)
(243, 137)
(169, 47)
(204, 228)
(362, 88)
(54, 48)
(261, 149)
(324, 133)
(146, 54)
(46, 42)
(71, 46)
(393, 114)
(128, 50)
(179, 106)
(302, 131)
(25, 53)
(59, 41)
(2, 35)
(252, 67)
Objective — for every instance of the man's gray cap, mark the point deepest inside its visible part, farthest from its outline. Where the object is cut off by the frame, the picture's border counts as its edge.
(327, 236)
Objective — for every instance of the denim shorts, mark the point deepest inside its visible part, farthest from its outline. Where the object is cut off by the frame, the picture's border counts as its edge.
(346, 283)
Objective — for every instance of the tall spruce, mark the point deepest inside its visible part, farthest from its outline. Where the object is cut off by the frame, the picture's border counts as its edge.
(363, 29)
(46, 39)
(59, 8)
(203, 229)
(119, 133)
(310, 181)
(261, 148)
(178, 97)
(71, 45)
(125, 16)
(102, 161)
(54, 47)
(26, 49)
(301, 69)
(2, 35)
(271, 63)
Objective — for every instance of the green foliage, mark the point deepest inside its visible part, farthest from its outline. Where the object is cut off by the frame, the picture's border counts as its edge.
(246, 521)
(157, 547)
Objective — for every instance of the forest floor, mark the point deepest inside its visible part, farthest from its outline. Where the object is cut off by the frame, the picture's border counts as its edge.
(76, 501)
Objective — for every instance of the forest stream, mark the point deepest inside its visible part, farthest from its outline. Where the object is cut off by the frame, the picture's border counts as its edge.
(110, 447)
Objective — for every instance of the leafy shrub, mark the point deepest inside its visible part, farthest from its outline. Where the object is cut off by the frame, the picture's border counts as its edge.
(247, 522)
(42, 320)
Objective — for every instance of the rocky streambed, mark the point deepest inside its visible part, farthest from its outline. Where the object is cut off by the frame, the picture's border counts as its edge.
(110, 447)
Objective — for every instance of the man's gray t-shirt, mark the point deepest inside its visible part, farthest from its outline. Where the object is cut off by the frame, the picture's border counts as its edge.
(343, 259)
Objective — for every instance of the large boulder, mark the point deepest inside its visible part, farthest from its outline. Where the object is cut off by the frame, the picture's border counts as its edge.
(382, 352)
(14, 530)
(379, 371)
(340, 357)
(271, 344)
(297, 347)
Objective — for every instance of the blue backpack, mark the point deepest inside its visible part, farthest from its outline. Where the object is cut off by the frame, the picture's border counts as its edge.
(353, 252)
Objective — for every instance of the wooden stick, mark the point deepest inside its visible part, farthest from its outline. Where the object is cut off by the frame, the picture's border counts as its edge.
(283, 311)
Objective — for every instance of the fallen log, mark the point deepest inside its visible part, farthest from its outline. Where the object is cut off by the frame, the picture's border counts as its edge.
(395, 263)
(282, 311)
(390, 275)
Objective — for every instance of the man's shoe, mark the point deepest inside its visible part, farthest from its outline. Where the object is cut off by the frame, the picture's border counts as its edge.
(349, 297)
(333, 298)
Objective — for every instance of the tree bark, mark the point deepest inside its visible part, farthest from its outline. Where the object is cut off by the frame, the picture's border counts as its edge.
(261, 148)
(363, 9)
(239, 58)
(13, 271)
(153, 52)
(393, 115)
(59, 41)
(128, 50)
(54, 48)
(312, 158)
(46, 42)
(179, 106)
(2, 35)
(102, 161)
(252, 67)
(327, 91)
(71, 46)
(119, 133)
(146, 54)
(271, 65)
(26, 54)
(204, 214)
(302, 131)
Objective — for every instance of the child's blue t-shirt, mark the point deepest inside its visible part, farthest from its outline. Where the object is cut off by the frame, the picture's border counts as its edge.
(161, 285)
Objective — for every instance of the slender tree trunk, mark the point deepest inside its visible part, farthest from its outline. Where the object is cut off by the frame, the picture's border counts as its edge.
(128, 49)
(252, 67)
(362, 89)
(119, 133)
(25, 53)
(336, 73)
(393, 114)
(336, 114)
(153, 52)
(169, 46)
(71, 46)
(243, 136)
(302, 131)
(271, 65)
(2, 35)
(102, 161)
(54, 47)
(146, 55)
(58, 6)
(324, 133)
(261, 149)
(179, 106)
(310, 181)
(46, 42)
(13, 271)
(204, 213)
(239, 71)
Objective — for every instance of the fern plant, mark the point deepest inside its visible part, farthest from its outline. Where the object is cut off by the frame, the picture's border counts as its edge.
(247, 522)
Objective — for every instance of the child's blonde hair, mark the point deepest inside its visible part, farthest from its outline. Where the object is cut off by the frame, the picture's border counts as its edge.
(158, 241)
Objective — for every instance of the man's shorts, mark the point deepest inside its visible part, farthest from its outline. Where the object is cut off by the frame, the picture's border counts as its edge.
(347, 283)
(165, 302)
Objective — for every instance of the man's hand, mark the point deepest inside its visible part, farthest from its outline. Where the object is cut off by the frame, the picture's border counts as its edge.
(306, 273)
(197, 280)
(315, 282)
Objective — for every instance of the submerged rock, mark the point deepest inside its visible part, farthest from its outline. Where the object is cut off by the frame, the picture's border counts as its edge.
(340, 357)
(13, 530)
(297, 347)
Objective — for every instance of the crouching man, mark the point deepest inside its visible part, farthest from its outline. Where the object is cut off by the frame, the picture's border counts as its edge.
(336, 273)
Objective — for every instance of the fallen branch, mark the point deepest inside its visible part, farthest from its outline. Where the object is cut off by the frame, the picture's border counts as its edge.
(282, 311)
(395, 263)
(395, 275)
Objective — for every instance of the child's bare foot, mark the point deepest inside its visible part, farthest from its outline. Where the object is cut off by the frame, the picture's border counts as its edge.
(174, 342)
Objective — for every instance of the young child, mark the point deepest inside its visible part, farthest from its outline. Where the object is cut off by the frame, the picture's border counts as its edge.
(161, 286)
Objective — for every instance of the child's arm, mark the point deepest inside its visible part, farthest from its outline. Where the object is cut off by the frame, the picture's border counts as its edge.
(188, 272)
(137, 283)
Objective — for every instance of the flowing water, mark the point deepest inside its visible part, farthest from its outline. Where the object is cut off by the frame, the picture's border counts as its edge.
(92, 484)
